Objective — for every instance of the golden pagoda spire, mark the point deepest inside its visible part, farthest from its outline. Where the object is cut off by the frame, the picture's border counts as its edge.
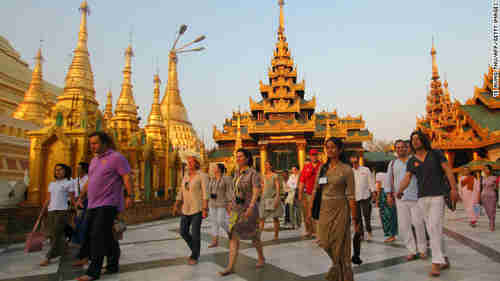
(172, 103)
(126, 109)
(108, 111)
(435, 72)
(34, 106)
(155, 128)
(79, 91)
(155, 118)
(281, 29)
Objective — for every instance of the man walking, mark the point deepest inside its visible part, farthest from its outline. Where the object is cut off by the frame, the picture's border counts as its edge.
(364, 187)
(407, 210)
(431, 167)
(193, 196)
(109, 171)
(306, 187)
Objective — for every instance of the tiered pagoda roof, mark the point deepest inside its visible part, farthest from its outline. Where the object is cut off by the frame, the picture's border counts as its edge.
(452, 125)
(284, 110)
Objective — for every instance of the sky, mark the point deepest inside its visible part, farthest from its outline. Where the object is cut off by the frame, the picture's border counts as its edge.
(359, 57)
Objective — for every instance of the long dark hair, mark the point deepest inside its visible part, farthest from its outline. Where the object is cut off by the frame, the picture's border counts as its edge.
(221, 168)
(342, 158)
(248, 156)
(423, 139)
(84, 166)
(66, 168)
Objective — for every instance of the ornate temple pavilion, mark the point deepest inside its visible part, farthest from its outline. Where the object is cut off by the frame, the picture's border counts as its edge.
(283, 125)
(468, 133)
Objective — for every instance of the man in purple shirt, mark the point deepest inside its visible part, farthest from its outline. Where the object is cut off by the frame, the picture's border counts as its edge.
(109, 171)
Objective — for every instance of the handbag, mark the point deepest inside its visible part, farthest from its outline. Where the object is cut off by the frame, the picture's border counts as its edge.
(35, 239)
(119, 228)
(317, 203)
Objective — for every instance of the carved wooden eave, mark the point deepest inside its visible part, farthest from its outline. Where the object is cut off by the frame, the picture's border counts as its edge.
(358, 138)
(281, 106)
(255, 106)
(281, 127)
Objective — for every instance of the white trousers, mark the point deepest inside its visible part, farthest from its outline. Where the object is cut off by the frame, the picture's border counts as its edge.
(409, 213)
(218, 219)
(433, 210)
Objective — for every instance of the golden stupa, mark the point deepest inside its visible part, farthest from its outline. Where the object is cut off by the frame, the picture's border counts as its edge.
(66, 125)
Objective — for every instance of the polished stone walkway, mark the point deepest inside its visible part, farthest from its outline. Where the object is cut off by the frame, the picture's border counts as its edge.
(155, 251)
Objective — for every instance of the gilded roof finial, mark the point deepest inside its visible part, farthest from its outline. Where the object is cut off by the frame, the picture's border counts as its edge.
(108, 111)
(125, 106)
(34, 106)
(82, 35)
(435, 73)
(155, 118)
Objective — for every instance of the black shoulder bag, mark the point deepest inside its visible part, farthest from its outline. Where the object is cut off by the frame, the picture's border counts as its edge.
(317, 199)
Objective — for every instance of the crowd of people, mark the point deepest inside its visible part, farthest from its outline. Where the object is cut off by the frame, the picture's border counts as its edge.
(330, 199)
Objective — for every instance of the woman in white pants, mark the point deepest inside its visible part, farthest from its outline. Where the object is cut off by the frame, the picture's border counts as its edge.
(219, 189)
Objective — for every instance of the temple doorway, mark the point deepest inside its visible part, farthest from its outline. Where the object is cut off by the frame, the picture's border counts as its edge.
(283, 156)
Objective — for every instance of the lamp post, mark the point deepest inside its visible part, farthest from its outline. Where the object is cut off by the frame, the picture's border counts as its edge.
(173, 86)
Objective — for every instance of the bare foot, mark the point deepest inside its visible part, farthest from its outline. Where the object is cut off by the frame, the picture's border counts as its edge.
(260, 263)
(227, 271)
(85, 278)
(213, 245)
(45, 262)
(192, 261)
(81, 262)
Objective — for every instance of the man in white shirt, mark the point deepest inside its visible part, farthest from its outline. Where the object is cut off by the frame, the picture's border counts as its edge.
(364, 187)
(408, 211)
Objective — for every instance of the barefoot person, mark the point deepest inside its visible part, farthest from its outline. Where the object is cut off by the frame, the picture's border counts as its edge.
(408, 211)
(488, 196)
(59, 192)
(219, 188)
(470, 192)
(365, 192)
(193, 195)
(109, 172)
(431, 167)
(270, 202)
(244, 211)
(336, 181)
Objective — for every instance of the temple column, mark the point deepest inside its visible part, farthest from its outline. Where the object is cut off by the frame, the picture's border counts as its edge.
(263, 156)
(301, 154)
(35, 176)
(450, 156)
(475, 155)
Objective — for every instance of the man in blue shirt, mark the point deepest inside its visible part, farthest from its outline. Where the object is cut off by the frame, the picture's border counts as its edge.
(407, 209)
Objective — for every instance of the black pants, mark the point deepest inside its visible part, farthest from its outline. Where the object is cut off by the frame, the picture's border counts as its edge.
(364, 208)
(101, 240)
(193, 238)
(287, 210)
(356, 244)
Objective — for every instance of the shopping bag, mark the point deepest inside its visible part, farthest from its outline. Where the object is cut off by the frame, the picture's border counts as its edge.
(35, 239)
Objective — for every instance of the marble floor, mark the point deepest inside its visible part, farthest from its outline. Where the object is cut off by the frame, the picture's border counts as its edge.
(155, 251)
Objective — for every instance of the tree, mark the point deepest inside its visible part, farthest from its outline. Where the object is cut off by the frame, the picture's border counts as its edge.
(378, 145)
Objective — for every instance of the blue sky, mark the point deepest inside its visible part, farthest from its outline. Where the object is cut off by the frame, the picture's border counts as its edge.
(361, 57)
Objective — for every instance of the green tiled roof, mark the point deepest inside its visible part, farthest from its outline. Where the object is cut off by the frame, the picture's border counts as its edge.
(426, 124)
(219, 154)
(483, 116)
(378, 156)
